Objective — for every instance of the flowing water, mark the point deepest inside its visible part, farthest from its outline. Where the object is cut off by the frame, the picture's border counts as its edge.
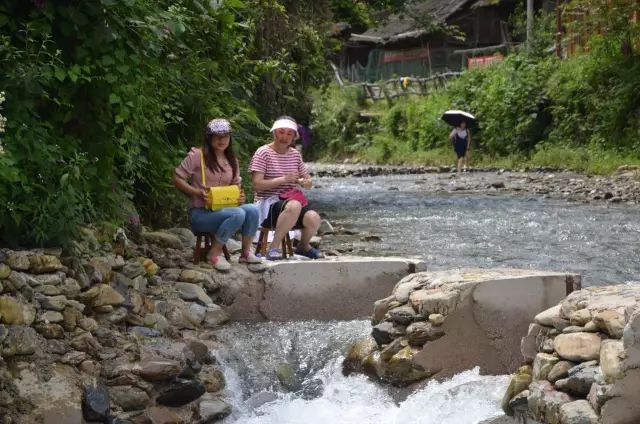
(599, 241)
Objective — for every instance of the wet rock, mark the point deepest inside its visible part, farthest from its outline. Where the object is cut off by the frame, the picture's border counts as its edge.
(577, 347)
(180, 392)
(197, 351)
(288, 378)
(402, 315)
(95, 403)
(161, 415)
(214, 410)
(357, 354)
(129, 398)
(519, 382)
(212, 378)
(215, 316)
(386, 332)
(325, 227)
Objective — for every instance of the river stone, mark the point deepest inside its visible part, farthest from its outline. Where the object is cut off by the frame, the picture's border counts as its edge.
(85, 342)
(401, 371)
(542, 365)
(133, 269)
(577, 347)
(434, 301)
(385, 332)
(101, 295)
(20, 340)
(381, 307)
(180, 392)
(71, 287)
(419, 333)
(436, 319)
(578, 412)
(215, 316)
(402, 315)
(549, 316)
(190, 291)
(519, 382)
(195, 350)
(611, 322)
(41, 264)
(192, 276)
(544, 402)
(356, 355)
(611, 354)
(580, 378)
(52, 303)
(48, 290)
(18, 261)
(50, 331)
(163, 239)
(598, 395)
(4, 332)
(560, 370)
(158, 369)
(95, 403)
(50, 279)
(5, 271)
(212, 378)
(580, 317)
(162, 415)
(53, 317)
(405, 287)
(129, 398)
(13, 312)
(214, 410)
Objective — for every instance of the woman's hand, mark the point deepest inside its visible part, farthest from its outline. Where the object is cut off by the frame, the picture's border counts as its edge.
(289, 178)
(304, 182)
(204, 194)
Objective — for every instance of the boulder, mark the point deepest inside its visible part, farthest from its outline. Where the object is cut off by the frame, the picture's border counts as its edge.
(578, 412)
(158, 369)
(20, 340)
(610, 322)
(95, 403)
(14, 312)
(180, 392)
(101, 295)
(542, 365)
(214, 410)
(129, 398)
(189, 291)
(40, 264)
(611, 355)
(578, 347)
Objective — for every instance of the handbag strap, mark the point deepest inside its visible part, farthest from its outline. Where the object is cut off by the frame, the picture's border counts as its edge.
(204, 181)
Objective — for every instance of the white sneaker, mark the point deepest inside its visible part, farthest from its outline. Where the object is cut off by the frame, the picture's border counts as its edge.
(250, 259)
(221, 264)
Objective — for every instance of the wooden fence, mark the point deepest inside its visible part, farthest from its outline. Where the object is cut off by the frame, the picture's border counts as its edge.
(397, 87)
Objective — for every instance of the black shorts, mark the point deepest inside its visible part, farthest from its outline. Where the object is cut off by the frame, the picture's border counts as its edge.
(274, 212)
(461, 148)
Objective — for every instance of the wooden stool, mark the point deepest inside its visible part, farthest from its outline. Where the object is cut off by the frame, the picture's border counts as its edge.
(263, 241)
(199, 253)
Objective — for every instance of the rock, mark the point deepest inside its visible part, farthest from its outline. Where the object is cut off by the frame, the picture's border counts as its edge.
(5, 270)
(577, 347)
(48, 290)
(52, 303)
(85, 342)
(180, 392)
(610, 322)
(93, 368)
(357, 354)
(20, 340)
(40, 264)
(401, 371)
(403, 315)
(611, 355)
(13, 312)
(434, 301)
(325, 227)
(163, 239)
(189, 291)
(50, 331)
(18, 262)
(192, 276)
(545, 402)
(552, 318)
(215, 316)
(197, 351)
(598, 395)
(519, 382)
(214, 410)
(436, 319)
(212, 379)
(161, 415)
(49, 279)
(386, 332)
(88, 324)
(70, 288)
(578, 412)
(560, 370)
(158, 369)
(129, 398)
(101, 295)
(580, 378)
(70, 317)
(95, 403)
(380, 308)
(233, 246)
(580, 317)
(420, 333)
(287, 377)
(542, 365)
(133, 269)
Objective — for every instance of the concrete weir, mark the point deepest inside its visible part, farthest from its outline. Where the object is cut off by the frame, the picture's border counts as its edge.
(331, 289)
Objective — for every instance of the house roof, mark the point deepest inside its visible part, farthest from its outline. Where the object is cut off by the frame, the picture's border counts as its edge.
(404, 26)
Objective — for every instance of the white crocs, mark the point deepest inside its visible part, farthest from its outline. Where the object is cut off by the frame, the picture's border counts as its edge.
(220, 263)
(250, 258)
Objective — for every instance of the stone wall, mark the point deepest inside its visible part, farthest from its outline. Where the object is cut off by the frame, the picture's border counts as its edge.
(436, 324)
(582, 361)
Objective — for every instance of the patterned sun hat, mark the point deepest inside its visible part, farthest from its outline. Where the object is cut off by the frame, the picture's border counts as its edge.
(218, 126)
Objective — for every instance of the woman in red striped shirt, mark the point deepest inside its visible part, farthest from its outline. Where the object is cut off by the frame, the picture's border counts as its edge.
(276, 169)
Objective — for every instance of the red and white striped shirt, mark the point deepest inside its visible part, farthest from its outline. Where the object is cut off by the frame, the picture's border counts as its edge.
(273, 165)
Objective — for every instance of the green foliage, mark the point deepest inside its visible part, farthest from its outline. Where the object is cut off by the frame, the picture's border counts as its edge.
(105, 97)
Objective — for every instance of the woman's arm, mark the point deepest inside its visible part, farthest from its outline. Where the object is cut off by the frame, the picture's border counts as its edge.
(188, 189)
(260, 184)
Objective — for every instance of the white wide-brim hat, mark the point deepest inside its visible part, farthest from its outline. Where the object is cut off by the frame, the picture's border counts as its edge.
(285, 123)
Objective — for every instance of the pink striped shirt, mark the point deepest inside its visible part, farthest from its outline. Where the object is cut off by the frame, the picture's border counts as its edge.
(273, 165)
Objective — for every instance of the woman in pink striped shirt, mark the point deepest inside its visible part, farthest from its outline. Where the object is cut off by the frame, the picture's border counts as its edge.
(277, 168)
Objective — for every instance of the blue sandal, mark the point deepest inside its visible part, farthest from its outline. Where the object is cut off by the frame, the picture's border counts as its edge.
(312, 253)
(274, 255)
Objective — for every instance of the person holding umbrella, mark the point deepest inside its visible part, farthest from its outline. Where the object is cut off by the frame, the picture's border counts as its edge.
(461, 135)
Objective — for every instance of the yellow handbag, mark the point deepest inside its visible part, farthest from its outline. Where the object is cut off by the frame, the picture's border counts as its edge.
(222, 196)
